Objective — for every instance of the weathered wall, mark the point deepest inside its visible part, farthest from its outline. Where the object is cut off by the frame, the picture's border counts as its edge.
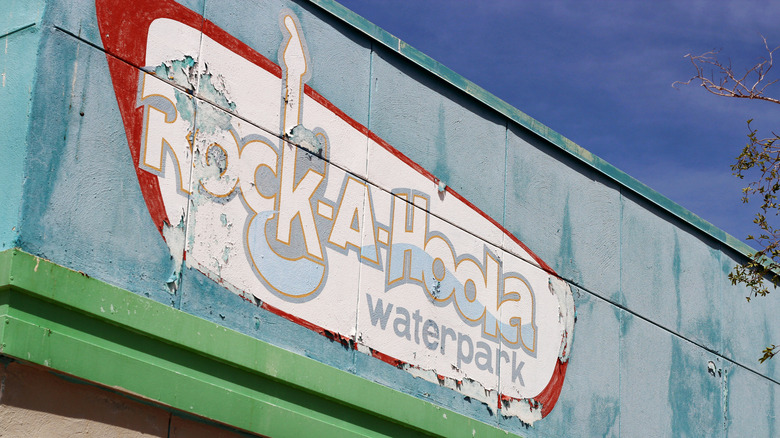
(19, 35)
(663, 344)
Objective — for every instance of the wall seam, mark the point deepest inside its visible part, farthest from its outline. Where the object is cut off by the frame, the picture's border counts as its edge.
(620, 314)
(177, 300)
(18, 29)
(724, 380)
(672, 332)
(506, 170)
(365, 211)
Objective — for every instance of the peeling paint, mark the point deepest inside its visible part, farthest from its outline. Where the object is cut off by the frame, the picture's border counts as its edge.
(179, 71)
(528, 411)
(468, 387)
(174, 238)
(210, 118)
(307, 139)
(186, 72)
(562, 291)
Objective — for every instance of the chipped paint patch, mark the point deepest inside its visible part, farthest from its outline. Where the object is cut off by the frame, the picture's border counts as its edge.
(179, 71)
(468, 387)
(528, 411)
(175, 238)
(307, 139)
(566, 315)
(212, 118)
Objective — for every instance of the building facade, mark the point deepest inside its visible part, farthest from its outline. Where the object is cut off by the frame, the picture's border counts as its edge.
(274, 218)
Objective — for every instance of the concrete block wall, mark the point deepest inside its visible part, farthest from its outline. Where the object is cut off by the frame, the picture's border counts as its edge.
(663, 344)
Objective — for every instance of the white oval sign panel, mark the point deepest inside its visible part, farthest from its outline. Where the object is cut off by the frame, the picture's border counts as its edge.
(270, 190)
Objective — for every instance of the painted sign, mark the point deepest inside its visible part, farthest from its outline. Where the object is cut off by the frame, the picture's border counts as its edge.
(258, 181)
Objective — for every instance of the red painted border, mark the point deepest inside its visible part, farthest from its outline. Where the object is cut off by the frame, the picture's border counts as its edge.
(124, 27)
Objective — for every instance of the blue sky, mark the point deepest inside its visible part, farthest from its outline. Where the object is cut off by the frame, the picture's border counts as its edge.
(601, 74)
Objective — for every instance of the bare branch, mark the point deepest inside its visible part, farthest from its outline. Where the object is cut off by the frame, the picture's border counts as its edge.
(751, 85)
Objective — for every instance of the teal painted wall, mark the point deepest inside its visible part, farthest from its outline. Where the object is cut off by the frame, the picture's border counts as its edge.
(663, 343)
(19, 39)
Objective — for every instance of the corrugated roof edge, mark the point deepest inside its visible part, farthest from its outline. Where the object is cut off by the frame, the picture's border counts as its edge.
(441, 71)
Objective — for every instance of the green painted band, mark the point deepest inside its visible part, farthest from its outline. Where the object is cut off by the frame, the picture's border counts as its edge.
(524, 120)
(55, 317)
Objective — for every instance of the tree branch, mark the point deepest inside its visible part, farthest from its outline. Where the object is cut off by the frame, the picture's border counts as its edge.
(751, 85)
